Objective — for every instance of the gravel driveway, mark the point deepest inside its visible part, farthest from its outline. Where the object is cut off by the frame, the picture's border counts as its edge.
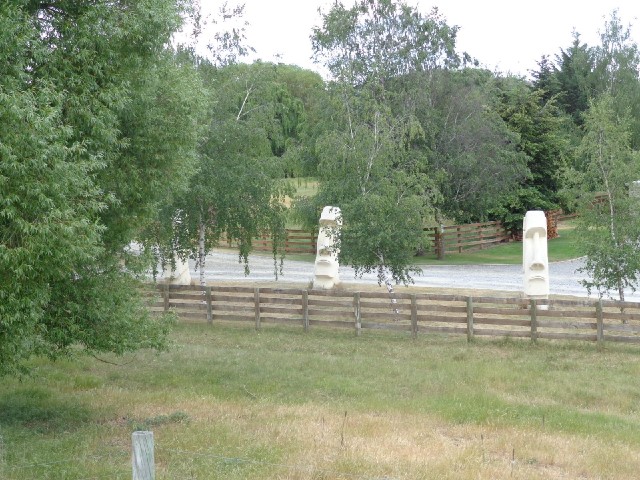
(564, 279)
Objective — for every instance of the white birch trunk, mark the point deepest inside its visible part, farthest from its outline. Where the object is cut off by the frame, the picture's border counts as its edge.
(201, 252)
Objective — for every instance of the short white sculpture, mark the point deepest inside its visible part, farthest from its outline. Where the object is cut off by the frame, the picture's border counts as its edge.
(535, 260)
(326, 273)
(181, 274)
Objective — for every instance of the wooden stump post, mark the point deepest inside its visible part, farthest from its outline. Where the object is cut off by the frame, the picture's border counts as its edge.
(142, 458)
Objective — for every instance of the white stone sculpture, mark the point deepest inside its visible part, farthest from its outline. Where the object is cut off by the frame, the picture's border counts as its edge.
(181, 274)
(326, 273)
(535, 260)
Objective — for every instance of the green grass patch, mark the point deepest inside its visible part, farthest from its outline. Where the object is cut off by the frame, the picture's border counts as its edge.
(231, 402)
(304, 186)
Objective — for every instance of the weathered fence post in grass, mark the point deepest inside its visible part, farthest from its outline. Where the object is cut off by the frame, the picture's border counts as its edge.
(256, 304)
(305, 310)
(534, 320)
(356, 312)
(469, 319)
(599, 322)
(209, 306)
(142, 457)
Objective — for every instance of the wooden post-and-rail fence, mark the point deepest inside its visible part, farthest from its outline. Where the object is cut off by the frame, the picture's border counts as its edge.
(441, 240)
(415, 313)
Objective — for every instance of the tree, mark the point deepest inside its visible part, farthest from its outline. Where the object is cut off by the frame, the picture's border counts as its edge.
(377, 40)
(237, 192)
(544, 139)
(616, 71)
(472, 144)
(575, 83)
(609, 231)
(85, 86)
(373, 164)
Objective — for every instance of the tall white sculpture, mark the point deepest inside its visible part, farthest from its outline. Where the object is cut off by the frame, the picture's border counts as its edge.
(535, 260)
(326, 274)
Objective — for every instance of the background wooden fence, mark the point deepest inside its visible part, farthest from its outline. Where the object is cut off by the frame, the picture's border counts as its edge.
(452, 239)
(587, 320)
(472, 236)
(439, 240)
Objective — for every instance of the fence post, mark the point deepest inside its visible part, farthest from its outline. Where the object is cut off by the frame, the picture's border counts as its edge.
(469, 319)
(357, 313)
(438, 240)
(142, 458)
(414, 316)
(599, 322)
(209, 307)
(256, 304)
(165, 296)
(305, 310)
(534, 320)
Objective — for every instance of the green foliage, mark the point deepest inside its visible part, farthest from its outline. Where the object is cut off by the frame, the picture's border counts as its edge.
(473, 146)
(609, 230)
(237, 192)
(372, 160)
(616, 72)
(382, 39)
(85, 152)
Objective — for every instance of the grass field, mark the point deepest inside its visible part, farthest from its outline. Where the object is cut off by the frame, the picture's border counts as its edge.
(228, 402)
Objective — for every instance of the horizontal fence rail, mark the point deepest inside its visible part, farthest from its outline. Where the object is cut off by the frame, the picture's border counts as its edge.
(587, 320)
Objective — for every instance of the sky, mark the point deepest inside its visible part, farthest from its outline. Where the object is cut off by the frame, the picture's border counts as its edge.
(509, 36)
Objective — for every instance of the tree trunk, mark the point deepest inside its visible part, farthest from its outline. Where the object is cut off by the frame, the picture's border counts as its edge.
(201, 252)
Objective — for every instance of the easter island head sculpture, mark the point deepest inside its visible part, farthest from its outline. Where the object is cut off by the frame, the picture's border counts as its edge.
(535, 260)
(326, 274)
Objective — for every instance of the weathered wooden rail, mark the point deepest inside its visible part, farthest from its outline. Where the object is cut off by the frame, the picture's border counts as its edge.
(580, 319)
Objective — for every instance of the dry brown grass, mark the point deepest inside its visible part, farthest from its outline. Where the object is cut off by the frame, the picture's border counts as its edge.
(320, 442)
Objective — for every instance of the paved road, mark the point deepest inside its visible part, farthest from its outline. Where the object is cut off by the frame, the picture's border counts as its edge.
(564, 278)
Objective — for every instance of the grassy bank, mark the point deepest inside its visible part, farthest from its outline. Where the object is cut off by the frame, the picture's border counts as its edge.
(229, 402)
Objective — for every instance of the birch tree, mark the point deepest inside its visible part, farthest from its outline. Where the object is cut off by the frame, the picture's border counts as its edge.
(372, 163)
(609, 231)
(237, 193)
